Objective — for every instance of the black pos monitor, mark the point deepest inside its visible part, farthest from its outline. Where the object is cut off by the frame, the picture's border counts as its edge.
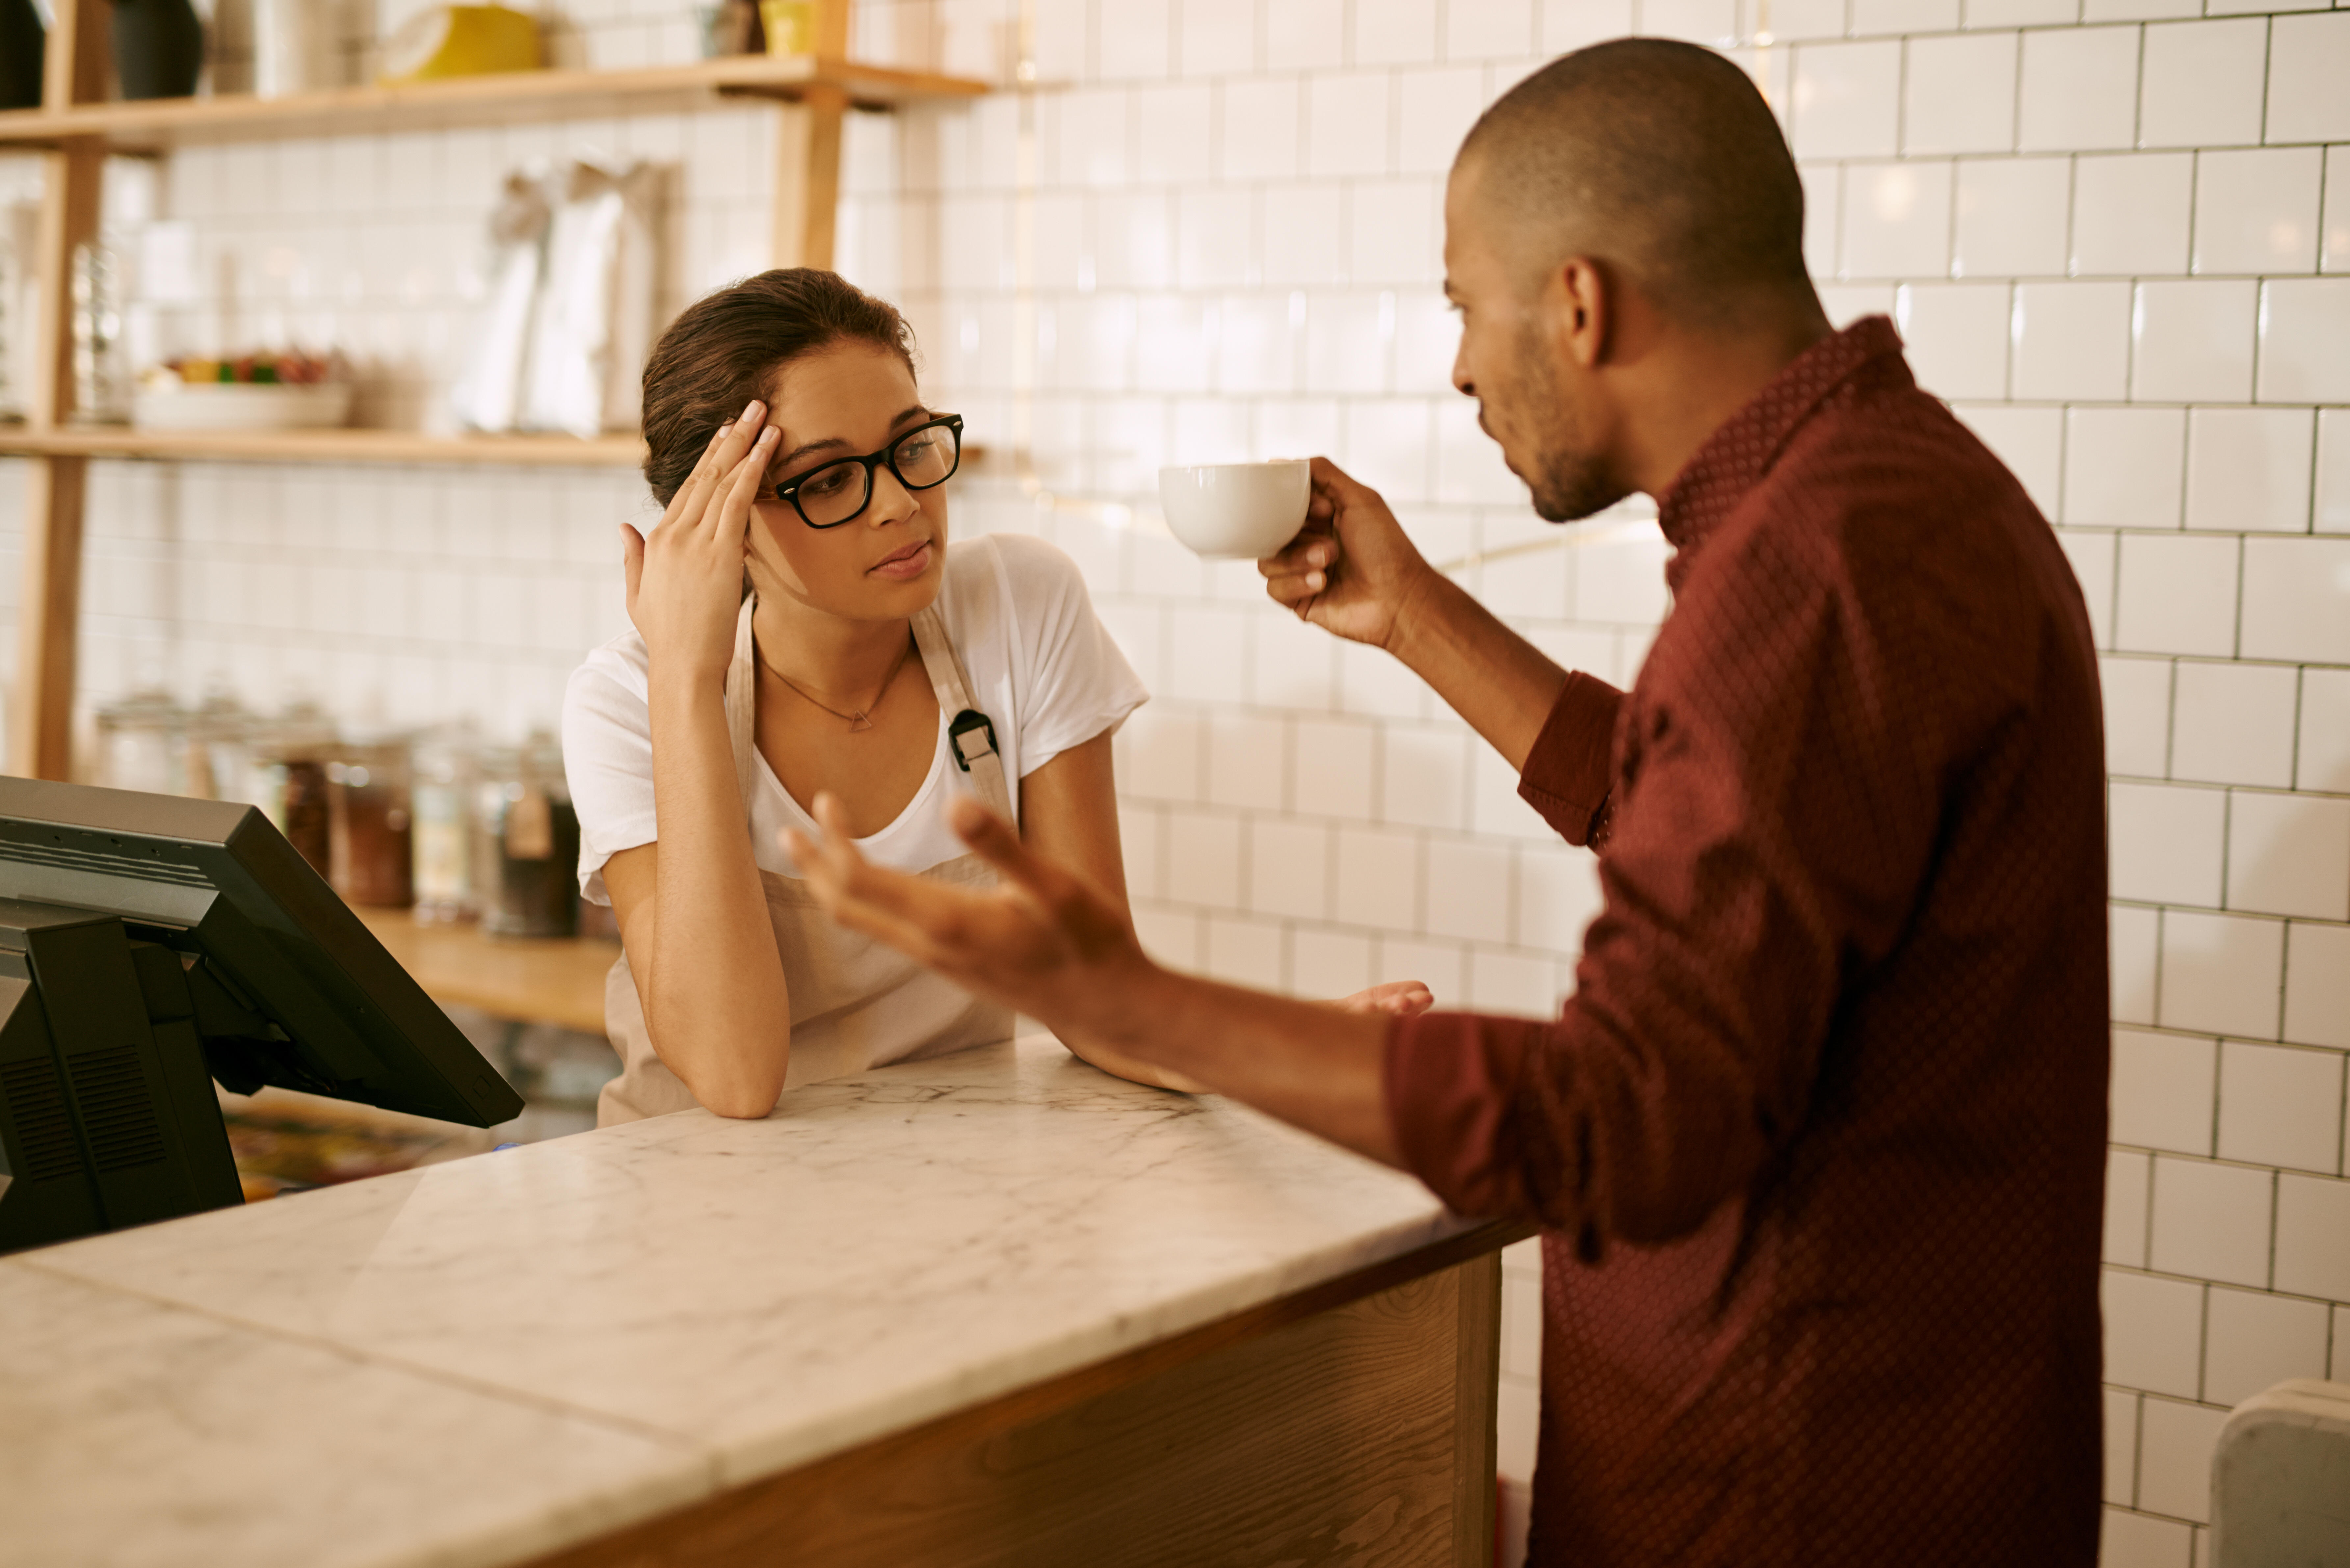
(150, 945)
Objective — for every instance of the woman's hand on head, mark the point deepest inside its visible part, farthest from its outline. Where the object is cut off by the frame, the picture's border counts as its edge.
(685, 582)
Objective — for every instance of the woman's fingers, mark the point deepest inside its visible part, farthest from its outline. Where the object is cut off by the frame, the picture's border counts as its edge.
(711, 489)
(732, 508)
(683, 500)
(632, 563)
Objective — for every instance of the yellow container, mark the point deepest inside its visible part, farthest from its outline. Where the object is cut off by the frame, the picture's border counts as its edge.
(791, 25)
(461, 41)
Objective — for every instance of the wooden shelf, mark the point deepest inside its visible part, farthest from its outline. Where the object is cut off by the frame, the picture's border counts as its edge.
(558, 980)
(512, 98)
(77, 127)
(324, 446)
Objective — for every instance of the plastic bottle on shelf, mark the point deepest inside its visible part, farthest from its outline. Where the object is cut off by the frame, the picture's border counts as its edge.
(441, 808)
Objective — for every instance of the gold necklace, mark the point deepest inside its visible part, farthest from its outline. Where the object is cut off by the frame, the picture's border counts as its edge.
(863, 718)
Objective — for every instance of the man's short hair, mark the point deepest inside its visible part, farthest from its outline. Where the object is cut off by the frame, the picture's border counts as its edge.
(1657, 156)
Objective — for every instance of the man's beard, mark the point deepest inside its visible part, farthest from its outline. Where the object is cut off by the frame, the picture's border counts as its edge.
(1568, 483)
(1569, 486)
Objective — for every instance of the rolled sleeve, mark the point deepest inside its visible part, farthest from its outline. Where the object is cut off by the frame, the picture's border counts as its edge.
(1566, 776)
(1450, 1079)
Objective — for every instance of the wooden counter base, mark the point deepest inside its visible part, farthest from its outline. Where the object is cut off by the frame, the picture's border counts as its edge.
(1301, 1433)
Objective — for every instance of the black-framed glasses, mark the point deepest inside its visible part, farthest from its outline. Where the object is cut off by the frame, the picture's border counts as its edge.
(839, 491)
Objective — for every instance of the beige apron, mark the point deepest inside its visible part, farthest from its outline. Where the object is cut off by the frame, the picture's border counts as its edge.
(853, 999)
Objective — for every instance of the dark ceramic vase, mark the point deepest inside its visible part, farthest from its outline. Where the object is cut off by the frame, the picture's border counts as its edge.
(159, 47)
(22, 38)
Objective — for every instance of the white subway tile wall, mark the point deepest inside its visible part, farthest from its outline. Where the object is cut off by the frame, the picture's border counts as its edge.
(2114, 231)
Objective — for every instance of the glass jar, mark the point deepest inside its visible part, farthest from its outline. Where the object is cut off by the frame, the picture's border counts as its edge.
(100, 390)
(283, 772)
(526, 843)
(142, 744)
(219, 749)
(11, 329)
(441, 806)
(371, 852)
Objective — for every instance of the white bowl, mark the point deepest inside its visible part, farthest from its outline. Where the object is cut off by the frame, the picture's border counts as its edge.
(1236, 511)
(239, 406)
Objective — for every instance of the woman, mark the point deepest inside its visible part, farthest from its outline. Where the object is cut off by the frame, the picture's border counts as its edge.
(803, 626)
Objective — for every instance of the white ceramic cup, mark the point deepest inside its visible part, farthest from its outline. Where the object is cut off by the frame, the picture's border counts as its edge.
(1236, 511)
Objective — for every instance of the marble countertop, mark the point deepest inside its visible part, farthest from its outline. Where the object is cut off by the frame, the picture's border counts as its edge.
(476, 1362)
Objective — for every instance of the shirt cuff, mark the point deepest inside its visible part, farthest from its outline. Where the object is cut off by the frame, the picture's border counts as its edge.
(1450, 1079)
(1570, 767)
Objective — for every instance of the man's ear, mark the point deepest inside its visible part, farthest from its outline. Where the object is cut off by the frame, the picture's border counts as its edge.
(1582, 306)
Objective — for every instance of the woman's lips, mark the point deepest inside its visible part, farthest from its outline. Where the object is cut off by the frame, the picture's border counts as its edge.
(906, 564)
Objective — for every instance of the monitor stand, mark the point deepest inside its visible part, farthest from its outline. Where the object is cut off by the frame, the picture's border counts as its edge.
(108, 1114)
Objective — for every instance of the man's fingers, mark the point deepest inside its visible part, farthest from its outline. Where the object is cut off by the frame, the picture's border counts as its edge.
(1314, 548)
(855, 914)
(995, 841)
(1395, 998)
(1332, 479)
(855, 879)
(833, 817)
(939, 925)
(1297, 590)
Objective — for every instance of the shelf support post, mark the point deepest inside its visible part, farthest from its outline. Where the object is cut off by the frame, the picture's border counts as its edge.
(40, 714)
(809, 150)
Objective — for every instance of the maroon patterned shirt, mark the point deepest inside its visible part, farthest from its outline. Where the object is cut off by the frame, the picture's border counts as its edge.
(1818, 1142)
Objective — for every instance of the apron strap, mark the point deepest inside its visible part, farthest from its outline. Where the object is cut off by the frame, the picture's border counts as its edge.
(971, 736)
(743, 702)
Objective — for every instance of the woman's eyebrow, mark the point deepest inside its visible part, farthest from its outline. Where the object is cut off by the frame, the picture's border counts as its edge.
(805, 447)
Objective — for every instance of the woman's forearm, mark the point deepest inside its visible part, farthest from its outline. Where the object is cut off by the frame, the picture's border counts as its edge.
(715, 1000)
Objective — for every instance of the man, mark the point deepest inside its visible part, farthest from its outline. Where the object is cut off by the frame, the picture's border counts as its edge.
(1818, 1141)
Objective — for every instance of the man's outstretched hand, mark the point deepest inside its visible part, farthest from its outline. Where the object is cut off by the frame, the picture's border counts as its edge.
(1042, 943)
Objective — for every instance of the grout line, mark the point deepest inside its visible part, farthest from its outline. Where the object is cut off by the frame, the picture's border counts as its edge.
(2203, 1342)
(2342, 1118)
(2276, 1192)
(2137, 1445)
(2268, 73)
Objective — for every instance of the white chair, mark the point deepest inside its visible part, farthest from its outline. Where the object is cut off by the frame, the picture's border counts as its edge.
(2280, 1480)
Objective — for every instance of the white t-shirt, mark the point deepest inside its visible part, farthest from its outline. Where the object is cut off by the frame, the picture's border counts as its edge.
(1041, 668)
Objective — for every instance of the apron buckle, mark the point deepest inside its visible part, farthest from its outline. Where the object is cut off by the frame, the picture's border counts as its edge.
(971, 721)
